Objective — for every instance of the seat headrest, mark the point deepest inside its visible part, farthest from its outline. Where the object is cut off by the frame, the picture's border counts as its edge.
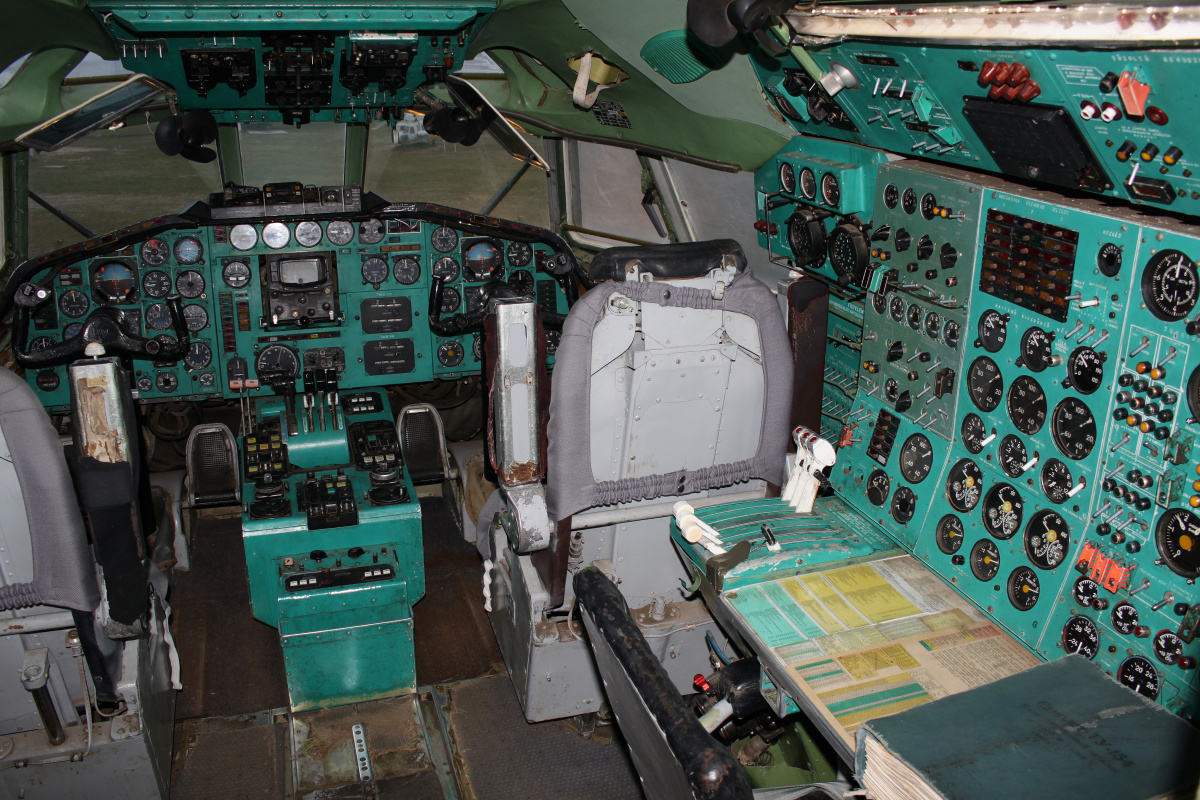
(666, 261)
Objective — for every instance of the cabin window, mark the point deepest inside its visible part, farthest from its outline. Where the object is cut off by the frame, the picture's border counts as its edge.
(273, 152)
(605, 190)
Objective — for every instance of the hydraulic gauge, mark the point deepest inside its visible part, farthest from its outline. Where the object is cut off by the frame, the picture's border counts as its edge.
(1124, 618)
(374, 271)
(916, 458)
(371, 231)
(891, 195)
(1085, 592)
(985, 559)
(993, 331)
(1168, 647)
(236, 274)
(949, 534)
(1177, 536)
(909, 201)
(831, 190)
(904, 505)
(973, 432)
(1073, 428)
(156, 284)
(188, 250)
(1003, 510)
(444, 239)
(915, 317)
(1056, 481)
(74, 303)
(199, 356)
(451, 300)
(1140, 675)
(519, 254)
(155, 252)
(446, 268)
(1047, 539)
(521, 281)
(190, 284)
(406, 271)
(1170, 285)
(308, 233)
(808, 184)
(195, 317)
(928, 205)
(1023, 588)
(276, 235)
(1108, 260)
(1013, 455)
(1085, 370)
(951, 333)
(806, 237)
(1081, 636)
(1036, 353)
(243, 237)
(896, 308)
(933, 325)
(340, 232)
(450, 354)
(1027, 405)
(879, 485)
(964, 485)
(848, 252)
(985, 384)
(158, 317)
(787, 178)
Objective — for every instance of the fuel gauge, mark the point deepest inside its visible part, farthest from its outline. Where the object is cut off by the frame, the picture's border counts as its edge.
(1124, 618)
(879, 485)
(1023, 588)
(1013, 455)
(1080, 635)
(1140, 675)
(1003, 509)
(1085, 592)
(949, 534)
(985, 559)
(1168, 647)
(1047, 539)
(1056, 481)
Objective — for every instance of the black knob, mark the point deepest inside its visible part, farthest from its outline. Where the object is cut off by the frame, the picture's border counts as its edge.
(1169, 398)
(1109, 82)
(1141, 385)
(957, 561)
(895, 351)
(949, 256)
(903, 240)
(903, 402)
(1125, 380)
(1120, 413)
(1161, 433)
(924, 248)
(1154, 392)
(1110, 485)
(1142, 503)
(1152, 408)
(318, 555)
(1165, 416)
(924, 358)
(355, 552)
(1181, 609)
(1133, 546)
(1103, 529)
(1133, 475)
(1124, 396)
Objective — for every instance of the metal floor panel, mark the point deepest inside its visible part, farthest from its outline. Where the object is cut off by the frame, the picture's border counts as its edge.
(243, 757)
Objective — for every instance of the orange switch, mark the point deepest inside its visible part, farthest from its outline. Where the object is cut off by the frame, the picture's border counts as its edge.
(1133, 94)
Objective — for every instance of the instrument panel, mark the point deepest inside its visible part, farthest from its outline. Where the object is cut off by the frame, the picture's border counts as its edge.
(262, 295)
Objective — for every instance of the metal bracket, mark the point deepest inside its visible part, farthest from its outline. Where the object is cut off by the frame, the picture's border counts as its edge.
(526, 522)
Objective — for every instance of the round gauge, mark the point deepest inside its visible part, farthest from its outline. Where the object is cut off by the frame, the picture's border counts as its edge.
(155, 252)
(1013, 455)
(199, 356)
(1027, 405)
(113, 282)
(1023, 588)
(74, 303)
(482, 260)
(1193, 393)
(993, 331)
(1085, 370)
(787, 178)
(450, 354)
(891, 390)
(933, 325)
(236, 274)
(374, 271)
(1073, 428)
(41, 343)
(277, 358)
(879, 302)
(1085, 591)
(915, 316)
(985, 559)
(189, 284)
(308, 233)
(1081, 636)
(1056, 481)
(1047, 539)
(144, 384)
(195, 317)
(879, 486)
(904, 505)
(521, 281)
(446, 268)
(370, 231)
(808, 184)
(477, 348)
(188, 250)
(916, 458)
(340, 232)
(973, 432)
(72, 330)
(909, 201)
(1108, 260)
(1170, 285)
(156, 283)
(950, 333)
(985, 384)
(451, 300)
(406, 271)
(1177, 535)
(896, 308)
(166, 382)
(964, 485)
(158, 317)
(891, 195)
(519, 254)
(444, 239)
(243, 237)
(1168, 647)
(1124, 618)
(208, 380)
(1003, 510)
(848, 251)
(806, 237)
(1140, 675)
(949, 534)
(276, 235)
(1036, 354)
(928, 204)
(831, 190)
